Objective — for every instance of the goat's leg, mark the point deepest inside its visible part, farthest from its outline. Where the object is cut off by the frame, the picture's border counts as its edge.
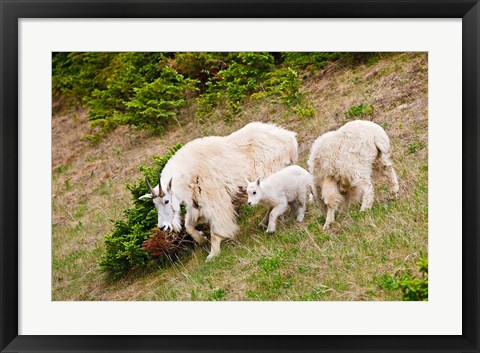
(393, 181)
(332, 198)
(301, 206)
(389, 172)
(190, 228)
(272, 219)
(215, 250)
(330, 218)
(293, 208)
(317, 196)
(264, 222)
(368, 194)
(352, 195)
(222, 226)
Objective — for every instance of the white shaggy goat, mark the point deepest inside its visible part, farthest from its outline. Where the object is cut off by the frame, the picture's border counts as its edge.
(287, 187)
(341, 163)
(207, 176)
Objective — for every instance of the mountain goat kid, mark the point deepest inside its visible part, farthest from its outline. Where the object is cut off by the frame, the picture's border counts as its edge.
(287, 187)
(342, 162)
(207, 176)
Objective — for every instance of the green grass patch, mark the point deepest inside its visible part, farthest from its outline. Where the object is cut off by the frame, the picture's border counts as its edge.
(386, 282)
(360, 110)
(62, 168)
(416, 146)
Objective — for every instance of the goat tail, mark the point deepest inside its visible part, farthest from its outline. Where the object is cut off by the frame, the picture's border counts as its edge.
(382, 142)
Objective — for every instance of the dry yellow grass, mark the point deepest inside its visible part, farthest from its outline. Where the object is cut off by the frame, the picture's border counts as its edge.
(300, 262)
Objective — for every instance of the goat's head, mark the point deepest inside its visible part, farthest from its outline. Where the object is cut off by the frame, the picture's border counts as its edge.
(167, 205)
(254, 192)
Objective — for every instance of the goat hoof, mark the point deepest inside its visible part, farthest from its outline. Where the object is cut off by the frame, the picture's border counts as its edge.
(210, 257)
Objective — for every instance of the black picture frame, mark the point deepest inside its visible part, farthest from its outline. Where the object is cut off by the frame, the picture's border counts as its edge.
(12, 11)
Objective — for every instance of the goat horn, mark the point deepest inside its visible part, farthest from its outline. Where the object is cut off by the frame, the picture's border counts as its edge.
(150, 187)
(160, 191)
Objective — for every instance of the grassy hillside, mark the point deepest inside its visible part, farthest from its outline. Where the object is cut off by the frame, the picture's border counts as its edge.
(357, 259)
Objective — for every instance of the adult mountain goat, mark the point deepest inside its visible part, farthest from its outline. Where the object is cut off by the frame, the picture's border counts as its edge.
(208, 174)
(341, 163)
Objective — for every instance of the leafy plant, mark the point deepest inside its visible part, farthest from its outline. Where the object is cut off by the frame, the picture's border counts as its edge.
(387, 282)
(138, 89)
(305, 110)
(125, 73)
(148, 90)
(282, 85)
(218, 294)
(76, 75)
(310, 61)
(200, 66)
(238, 80)
(123, 246)
(156, 103)
(415, 146)
(269, 264)
(360, 110)
(414, 288)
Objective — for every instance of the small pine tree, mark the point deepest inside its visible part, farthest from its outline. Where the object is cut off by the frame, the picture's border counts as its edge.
(123, 246)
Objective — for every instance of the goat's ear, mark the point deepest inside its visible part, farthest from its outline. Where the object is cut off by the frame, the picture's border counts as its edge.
(247, 181)
(169, 187)
(146, 196)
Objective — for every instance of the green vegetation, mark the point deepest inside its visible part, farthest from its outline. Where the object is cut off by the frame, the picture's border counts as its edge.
(387, 282)
(239, 79)
(311, 61)
(360, 110)
(157, 102)
(370, 255)
(122, 88)
(123, 250)
(149, 90)
(282, 86)
(415, 146)
(414, 288)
